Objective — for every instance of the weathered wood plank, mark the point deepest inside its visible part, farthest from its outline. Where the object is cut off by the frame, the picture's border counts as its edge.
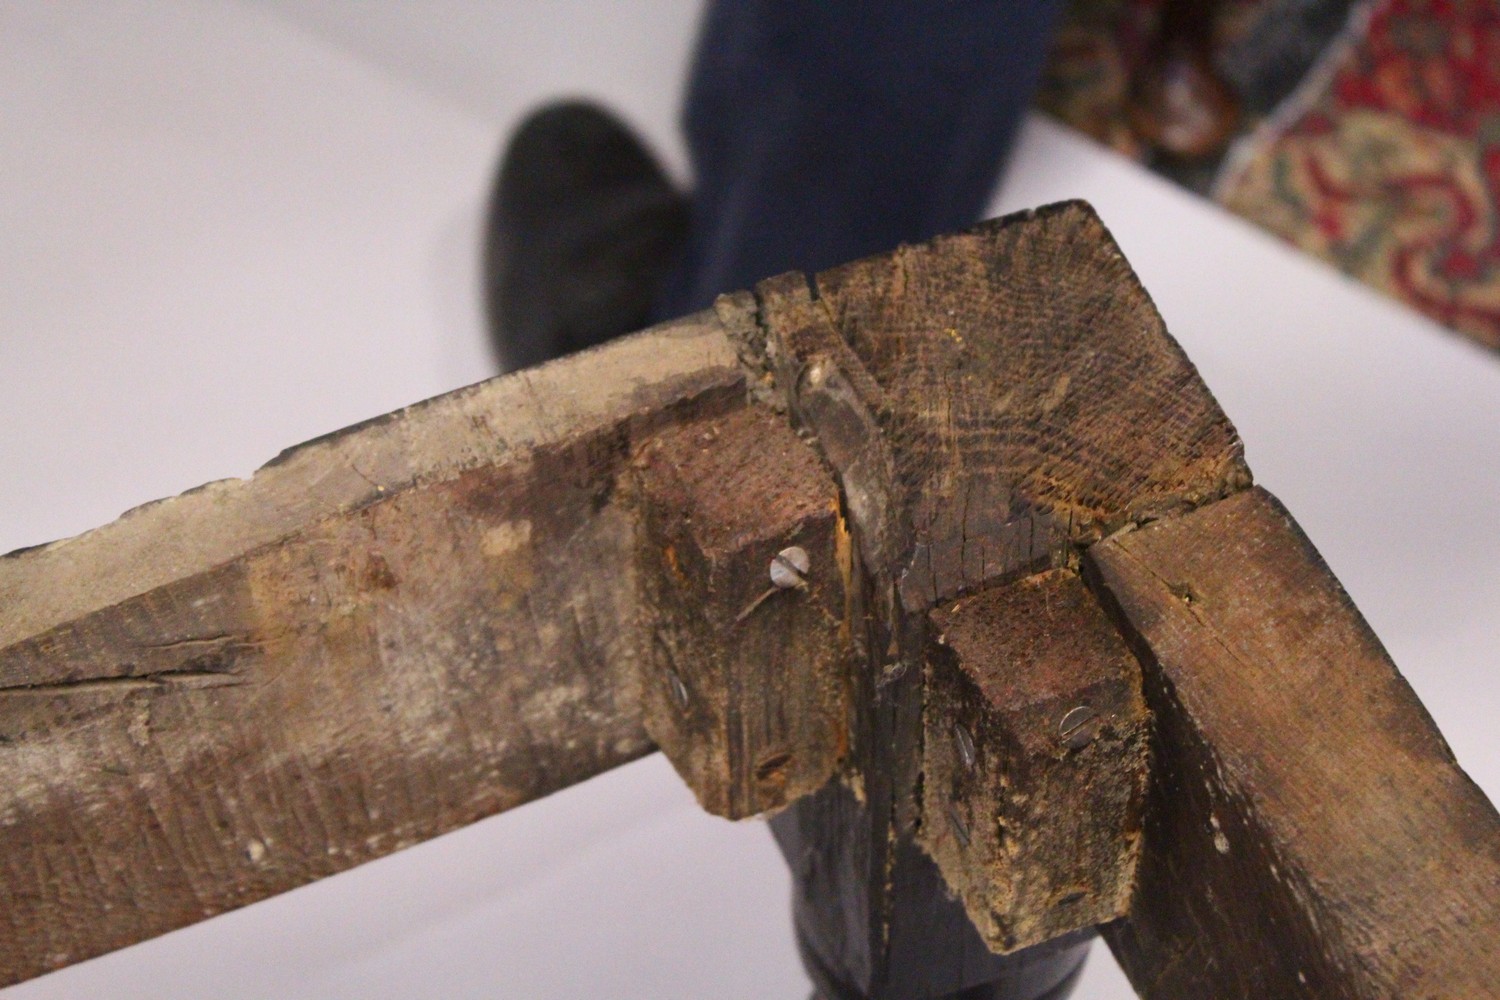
(989, 401)
(1033, 759)
(1308, 831)
(383, 635)
(745, 685)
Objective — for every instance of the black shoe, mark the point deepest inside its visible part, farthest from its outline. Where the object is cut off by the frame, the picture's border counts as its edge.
(583, 226)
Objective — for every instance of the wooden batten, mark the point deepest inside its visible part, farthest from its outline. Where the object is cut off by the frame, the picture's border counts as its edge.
(1308, 832)
(384, 635)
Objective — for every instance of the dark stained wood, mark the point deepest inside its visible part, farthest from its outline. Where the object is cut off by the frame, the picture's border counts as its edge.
(1034, 759)
(383, 635)
(745, 682)
(1030, 395)
(989, 402)
(1308, 831)
(839, 842)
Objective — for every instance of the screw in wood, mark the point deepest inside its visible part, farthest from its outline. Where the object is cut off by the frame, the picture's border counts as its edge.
(1078, 727)
(965, 744)
(788, 572)
(789, 568)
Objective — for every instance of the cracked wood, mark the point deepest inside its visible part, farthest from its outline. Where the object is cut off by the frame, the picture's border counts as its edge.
(385, 634)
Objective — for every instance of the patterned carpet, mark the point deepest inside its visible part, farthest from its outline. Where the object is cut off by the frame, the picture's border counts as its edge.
(1371, 133)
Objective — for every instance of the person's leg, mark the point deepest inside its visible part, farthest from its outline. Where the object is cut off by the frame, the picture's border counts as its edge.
(822, 132)
(819, 132)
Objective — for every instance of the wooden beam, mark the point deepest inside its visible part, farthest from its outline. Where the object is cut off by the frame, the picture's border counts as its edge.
(989, 402)
(1308, 831)
(385, 634)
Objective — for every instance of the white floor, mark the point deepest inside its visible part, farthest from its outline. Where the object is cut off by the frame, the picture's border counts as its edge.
(232, 226)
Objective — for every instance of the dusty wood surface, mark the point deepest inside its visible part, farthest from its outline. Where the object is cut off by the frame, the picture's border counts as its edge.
(1308, 832)
(1033, 759)
(745, 682)
(383, 635)
(988, 401)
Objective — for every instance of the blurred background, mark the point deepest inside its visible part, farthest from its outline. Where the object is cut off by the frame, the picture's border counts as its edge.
(231, 226)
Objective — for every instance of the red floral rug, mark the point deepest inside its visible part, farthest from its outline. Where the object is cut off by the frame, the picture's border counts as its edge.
(1383, 158)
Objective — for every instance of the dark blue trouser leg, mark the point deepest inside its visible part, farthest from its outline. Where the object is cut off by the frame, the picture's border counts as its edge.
(822, 131)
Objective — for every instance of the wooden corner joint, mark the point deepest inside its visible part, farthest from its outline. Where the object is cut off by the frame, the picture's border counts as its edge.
(992, 404)
(943, 653)
(893, 596)
(453, 610)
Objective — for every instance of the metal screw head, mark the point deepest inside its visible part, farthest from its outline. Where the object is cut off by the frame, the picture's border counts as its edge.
(965, 744)
(1078, 727)
(789, 567)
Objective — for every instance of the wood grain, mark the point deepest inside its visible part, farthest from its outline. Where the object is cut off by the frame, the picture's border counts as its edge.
(459, 607)
(1029, 393)
(1308, 831)
(745, 683)
(1033, 759)
(383, 635)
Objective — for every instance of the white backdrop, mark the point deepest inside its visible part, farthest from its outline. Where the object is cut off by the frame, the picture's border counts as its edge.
(233, 226)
